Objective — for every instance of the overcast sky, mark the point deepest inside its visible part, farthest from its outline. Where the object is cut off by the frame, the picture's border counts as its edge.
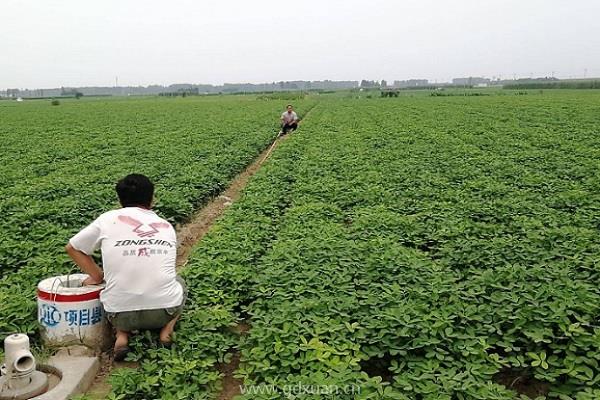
(53, 43)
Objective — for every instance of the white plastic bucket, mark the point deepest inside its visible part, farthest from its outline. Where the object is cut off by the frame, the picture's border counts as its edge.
(70, 313)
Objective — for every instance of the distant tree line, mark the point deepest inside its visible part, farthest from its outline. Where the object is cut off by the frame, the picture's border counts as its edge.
(590, 84)
(365, 84)
(70, 93)
(183, 92)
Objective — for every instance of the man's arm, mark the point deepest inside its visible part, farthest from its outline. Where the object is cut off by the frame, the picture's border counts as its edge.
(80, 248)
(87, 265)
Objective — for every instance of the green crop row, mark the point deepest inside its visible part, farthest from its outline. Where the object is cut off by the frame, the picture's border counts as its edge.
(60, 165)
(414, 248)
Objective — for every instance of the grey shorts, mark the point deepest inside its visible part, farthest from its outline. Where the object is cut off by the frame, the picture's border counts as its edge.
(147, 319)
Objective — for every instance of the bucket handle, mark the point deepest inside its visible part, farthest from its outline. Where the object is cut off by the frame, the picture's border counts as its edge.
(52, 292)
(55, 293)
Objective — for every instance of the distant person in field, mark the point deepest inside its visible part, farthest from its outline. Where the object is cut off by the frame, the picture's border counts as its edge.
(289, 120)
(139, 250)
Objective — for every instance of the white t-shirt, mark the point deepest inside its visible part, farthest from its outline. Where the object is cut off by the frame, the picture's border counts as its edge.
(288, 118)
(139, 250)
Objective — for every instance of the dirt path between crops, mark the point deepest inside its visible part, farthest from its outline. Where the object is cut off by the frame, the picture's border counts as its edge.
(191, 233)
(188, 235)
(231, 386)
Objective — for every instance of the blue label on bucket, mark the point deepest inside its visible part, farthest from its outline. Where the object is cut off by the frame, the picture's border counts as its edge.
(50, 316)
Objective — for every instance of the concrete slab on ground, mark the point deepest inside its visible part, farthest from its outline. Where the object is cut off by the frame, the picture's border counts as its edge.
(78, 373)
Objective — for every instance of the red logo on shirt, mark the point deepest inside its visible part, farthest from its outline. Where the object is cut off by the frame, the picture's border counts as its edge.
(141, 229)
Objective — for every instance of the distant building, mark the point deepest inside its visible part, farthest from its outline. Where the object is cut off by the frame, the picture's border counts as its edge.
(471, 81)
(187, 88)
(411, 83)
(332, 85)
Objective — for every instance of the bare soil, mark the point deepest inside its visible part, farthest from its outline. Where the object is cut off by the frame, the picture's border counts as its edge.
(232, 385)
(188, 235)
(522, 384)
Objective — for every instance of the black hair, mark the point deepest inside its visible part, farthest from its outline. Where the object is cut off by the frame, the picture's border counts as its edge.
(135, 190)
(289, 105)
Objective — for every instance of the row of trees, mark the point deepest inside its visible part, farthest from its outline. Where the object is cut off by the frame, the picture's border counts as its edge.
(589, 84)
(365, 84)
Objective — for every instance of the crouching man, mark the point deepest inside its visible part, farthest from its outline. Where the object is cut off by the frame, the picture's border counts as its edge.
(289, 120)
(139, 250)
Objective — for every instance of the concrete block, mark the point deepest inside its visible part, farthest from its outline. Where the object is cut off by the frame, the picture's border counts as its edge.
(75, 351)
(78, 374)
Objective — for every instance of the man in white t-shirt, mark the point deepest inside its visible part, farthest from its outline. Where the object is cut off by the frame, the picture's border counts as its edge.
(289, 120)
(139, 250)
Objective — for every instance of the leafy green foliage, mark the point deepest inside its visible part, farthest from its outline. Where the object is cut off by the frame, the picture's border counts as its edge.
(415, 247)
(60, 166)
(447, 240)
